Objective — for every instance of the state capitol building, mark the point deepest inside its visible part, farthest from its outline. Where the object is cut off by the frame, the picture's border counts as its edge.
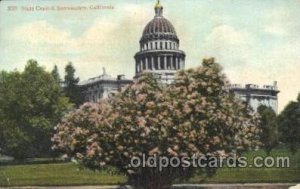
(160, 54)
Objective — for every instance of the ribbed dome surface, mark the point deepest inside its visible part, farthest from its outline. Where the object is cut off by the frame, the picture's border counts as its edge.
(159, 26)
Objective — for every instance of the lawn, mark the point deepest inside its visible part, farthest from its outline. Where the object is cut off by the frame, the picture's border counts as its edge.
(54, 175)
(71, 174)
(255, 175)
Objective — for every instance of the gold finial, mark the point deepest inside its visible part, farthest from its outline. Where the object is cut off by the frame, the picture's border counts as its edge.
(158, 5)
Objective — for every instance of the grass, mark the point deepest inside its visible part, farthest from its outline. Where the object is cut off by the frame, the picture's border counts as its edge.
(256, 175)
(251, 175)
(57, 174)
(63, 174)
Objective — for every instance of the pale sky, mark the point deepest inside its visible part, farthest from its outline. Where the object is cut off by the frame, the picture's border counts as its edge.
(255, 41)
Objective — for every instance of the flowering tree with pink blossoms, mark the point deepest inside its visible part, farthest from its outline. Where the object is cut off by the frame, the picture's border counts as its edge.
(86, 134)
(195, 116)
(210, 120)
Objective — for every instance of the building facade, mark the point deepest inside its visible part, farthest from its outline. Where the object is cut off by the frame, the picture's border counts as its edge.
(160, 54)
(102, 86)
(255, 96)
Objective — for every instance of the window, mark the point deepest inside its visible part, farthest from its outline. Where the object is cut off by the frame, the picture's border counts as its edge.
(155, 63)
(168, 63)
(174, 63)
(162, 63)
(149, 66)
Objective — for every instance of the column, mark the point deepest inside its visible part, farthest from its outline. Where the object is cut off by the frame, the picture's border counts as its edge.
(158, 61)
(147, 67)
(177, 63)
(165, 61)
(172, 65)
(141, 64)
(181, 62)
(152, 62)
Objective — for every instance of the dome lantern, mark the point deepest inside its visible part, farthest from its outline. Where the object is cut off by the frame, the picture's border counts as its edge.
(158, 9)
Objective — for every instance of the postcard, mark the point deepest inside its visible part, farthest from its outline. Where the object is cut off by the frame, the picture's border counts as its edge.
(149, 94)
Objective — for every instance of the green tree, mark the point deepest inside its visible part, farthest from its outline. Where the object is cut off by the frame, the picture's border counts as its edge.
(31, 104)
(71, 88)
(268, 125)
(289, 125)
(56, 75)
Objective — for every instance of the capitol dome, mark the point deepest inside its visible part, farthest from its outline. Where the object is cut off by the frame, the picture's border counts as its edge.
(159, 27)
(159, 48)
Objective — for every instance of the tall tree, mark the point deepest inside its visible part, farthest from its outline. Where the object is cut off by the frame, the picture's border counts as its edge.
(289, 125)
(31, 104)
(71, 88)
(56, 75)
(268, 125)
